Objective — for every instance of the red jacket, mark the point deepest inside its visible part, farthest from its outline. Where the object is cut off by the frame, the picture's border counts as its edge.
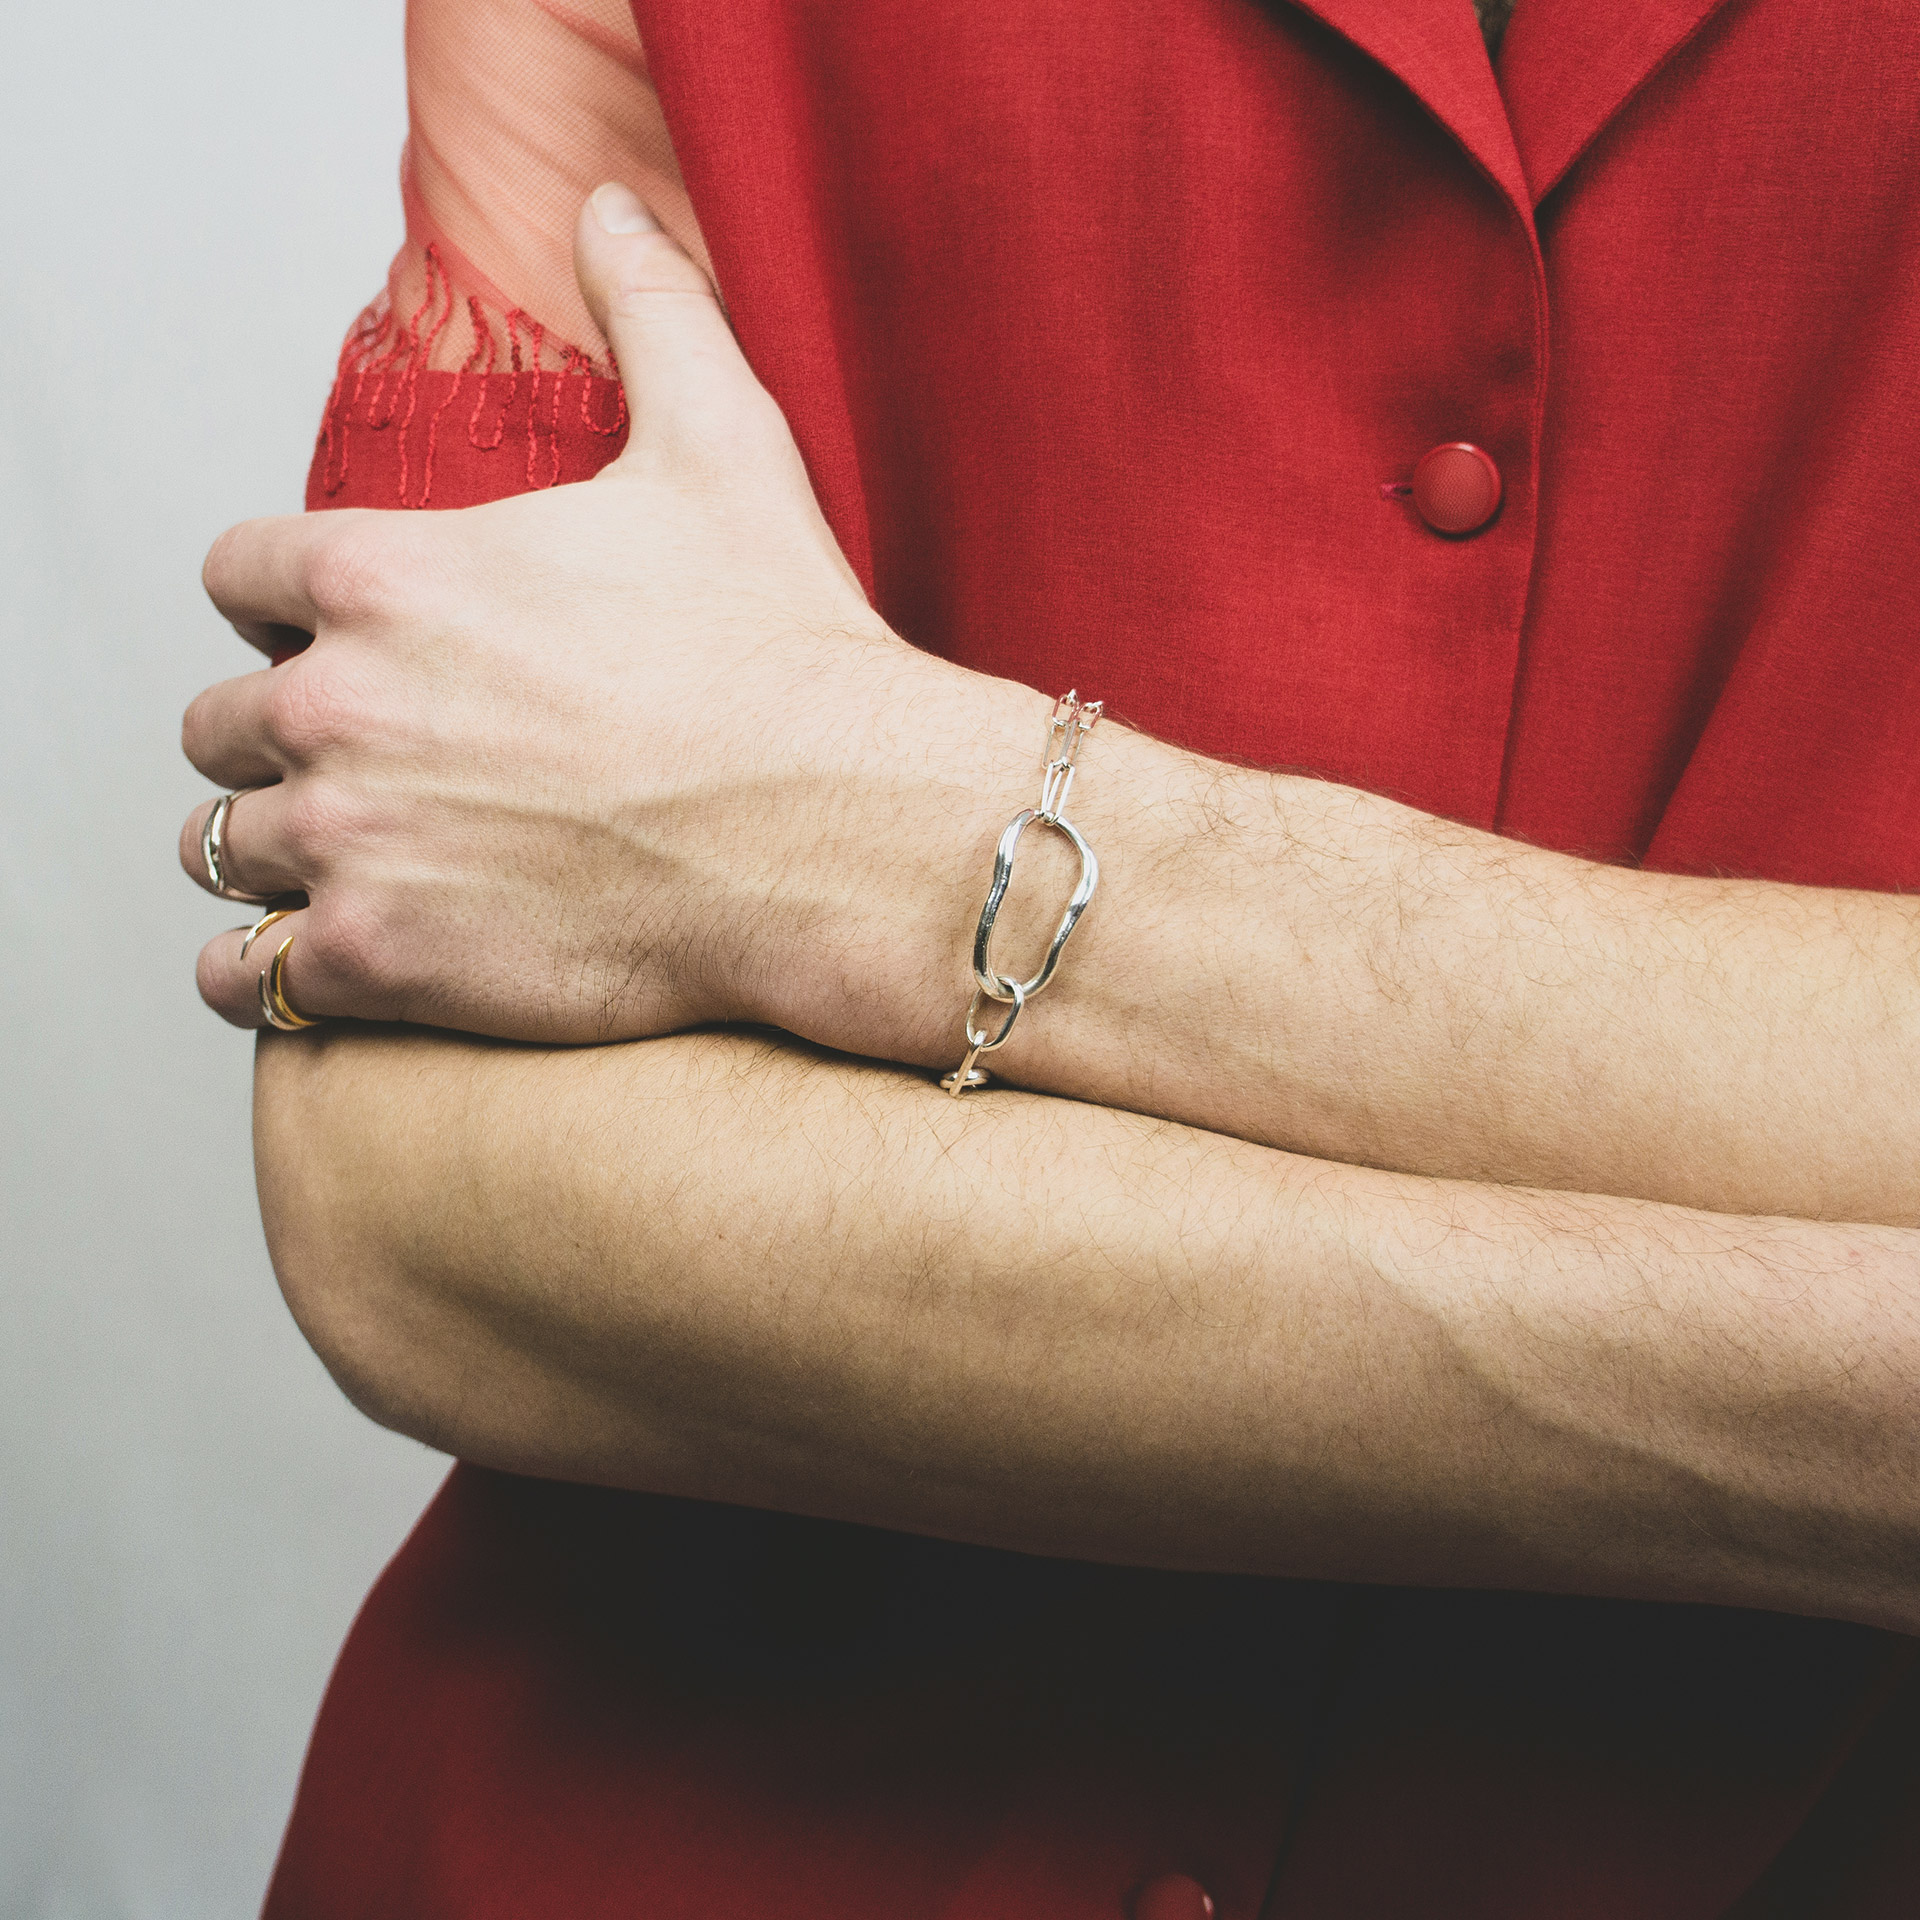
(1113, 332)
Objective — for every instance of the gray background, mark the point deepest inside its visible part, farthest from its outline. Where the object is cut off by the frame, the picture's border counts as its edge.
(199, 196)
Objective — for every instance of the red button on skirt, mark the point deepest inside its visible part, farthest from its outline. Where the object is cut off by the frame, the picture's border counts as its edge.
(1456, 488)
(1173, 1897)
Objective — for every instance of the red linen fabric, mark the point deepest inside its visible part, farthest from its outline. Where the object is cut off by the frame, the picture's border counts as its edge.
(1108, 329)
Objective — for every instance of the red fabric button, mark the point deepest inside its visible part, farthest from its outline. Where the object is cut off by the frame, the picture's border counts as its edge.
(1456, 488)
(1173, 1897)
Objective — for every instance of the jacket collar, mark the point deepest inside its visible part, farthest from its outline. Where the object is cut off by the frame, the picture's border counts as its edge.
(1434, 48)
(1566, 68)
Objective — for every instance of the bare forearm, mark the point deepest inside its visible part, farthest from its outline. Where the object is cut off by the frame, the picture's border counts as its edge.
(1311, 967)
(1317, 968)
(720, 1266)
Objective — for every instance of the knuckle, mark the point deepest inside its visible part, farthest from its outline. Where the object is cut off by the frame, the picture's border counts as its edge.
(354, 572)
(311, 709)
(218, 568)
(321, 820)
(345, 944)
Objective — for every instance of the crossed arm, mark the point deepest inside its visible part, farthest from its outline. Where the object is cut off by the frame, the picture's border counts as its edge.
(1083, 1318)
(724, 1265)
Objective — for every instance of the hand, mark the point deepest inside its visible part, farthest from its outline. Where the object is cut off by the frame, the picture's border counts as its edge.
(591, 763)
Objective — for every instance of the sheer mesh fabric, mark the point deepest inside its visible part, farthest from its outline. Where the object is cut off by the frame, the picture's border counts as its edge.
(517, 109)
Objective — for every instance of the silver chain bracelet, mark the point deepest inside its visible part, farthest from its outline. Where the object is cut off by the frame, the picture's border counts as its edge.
(1073, 719)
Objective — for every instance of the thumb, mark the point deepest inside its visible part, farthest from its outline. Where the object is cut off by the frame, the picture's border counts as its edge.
(659, 312)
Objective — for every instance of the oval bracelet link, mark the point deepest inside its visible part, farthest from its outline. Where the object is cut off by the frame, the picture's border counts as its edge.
(1073, 719)
(990, 981)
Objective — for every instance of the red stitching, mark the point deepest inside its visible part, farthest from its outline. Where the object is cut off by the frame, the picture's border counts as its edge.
(406, 347)
(433, 440)
(414, 371)
(482, 341)
(539, 341)
(553, 436)
(586, 397)
(377, 378)
(513, 388)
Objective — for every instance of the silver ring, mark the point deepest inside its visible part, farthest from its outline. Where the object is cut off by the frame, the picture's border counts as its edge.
(213, 849)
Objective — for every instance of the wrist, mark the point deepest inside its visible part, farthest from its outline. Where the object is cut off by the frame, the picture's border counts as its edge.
(885, 854)
(1153, 817)
(1171, 985)
(1129, 1014)
(1191, 856)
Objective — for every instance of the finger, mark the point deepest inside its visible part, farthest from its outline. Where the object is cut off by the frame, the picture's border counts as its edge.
(228, 733)
(264, 576)
(232, 965)
(659, 312)
(319, 979)
(256, 859)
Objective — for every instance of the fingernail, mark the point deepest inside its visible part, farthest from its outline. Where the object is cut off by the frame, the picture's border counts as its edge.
(620, 210)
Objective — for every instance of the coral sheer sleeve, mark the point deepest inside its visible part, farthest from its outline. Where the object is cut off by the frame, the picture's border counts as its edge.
(480, 346)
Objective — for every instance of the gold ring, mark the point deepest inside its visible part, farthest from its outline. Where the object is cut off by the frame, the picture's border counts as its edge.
(213, 849)
(274, 1005)
(262, 924)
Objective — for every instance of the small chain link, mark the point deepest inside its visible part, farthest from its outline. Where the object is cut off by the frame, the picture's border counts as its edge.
(1073, 719)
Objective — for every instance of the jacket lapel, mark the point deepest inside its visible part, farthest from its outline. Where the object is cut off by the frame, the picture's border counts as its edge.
(1434, 48)
(1568, 66)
